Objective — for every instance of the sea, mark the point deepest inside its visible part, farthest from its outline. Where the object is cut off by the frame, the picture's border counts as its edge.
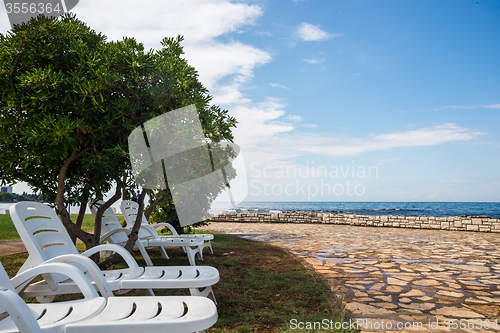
(491, 209)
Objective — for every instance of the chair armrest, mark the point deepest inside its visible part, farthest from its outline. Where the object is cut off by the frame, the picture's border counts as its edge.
(90, 266)
(70, 271)
(114, 248)
(151, 231)
(112, 232)
(18, 311)
(167, 225)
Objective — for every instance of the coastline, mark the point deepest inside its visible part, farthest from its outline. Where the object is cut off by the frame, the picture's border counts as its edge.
(451, 223)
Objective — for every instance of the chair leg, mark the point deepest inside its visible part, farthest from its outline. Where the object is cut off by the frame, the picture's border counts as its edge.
(207, 292)
(144, 253)
(163, 252)
(191, 253)
(200, 252)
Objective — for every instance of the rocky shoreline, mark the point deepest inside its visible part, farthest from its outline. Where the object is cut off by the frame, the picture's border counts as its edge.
(452, 223)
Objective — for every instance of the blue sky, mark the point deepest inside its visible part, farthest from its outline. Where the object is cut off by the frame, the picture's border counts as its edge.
(407, 90)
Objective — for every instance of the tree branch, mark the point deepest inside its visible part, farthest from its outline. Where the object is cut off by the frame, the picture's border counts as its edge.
(61, 208)
(131, 239)
(159, 198)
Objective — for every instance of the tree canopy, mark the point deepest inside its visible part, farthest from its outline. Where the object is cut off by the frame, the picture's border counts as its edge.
(69, 99)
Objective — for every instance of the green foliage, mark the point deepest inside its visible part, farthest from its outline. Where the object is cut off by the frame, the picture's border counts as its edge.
(14, 197)
(69, 99)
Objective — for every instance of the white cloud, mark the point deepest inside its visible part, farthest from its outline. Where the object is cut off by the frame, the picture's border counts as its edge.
(458, 107)
(314, 60)
(277, 85)
(470, 107)
(258, 123)
(264, 33)
(492, 106)
(310, 32)
(149, 21)
(294, 118)
(383, 161)
(199, 21)
(215, 61)
(341, 145)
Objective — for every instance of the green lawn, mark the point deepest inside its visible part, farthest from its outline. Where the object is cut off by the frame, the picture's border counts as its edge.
(9, 232)
(261, 287)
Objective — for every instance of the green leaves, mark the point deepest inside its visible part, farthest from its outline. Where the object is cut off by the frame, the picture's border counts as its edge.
(66, 91)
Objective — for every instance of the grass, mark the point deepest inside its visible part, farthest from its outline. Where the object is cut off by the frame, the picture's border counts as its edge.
(9, 232)
(7, 229)
(261, 287)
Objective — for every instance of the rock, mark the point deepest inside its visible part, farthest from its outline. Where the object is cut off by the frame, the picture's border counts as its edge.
(418, 306)
(449, 293)
(385, 305)
(365, 309)
(396, 282)
(413, 292)
(426, 282)
(393, 289)
(461, 313)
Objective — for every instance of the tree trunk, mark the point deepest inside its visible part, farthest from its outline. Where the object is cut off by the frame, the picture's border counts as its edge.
(61, 208)
(159, 198)
(81, 215)
(132, 238)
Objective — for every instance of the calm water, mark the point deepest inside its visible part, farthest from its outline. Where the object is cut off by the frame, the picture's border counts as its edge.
(491, 209)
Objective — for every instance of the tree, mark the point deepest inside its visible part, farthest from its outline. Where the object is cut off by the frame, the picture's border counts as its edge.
(68, 101)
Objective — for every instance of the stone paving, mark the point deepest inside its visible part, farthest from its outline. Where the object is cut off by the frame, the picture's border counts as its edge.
(392, 276)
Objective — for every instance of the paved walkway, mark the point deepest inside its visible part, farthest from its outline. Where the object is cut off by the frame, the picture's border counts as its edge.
(11, 247)
(391, 277)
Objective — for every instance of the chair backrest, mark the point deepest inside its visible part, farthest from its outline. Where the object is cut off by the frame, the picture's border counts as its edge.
(129, 210)
(109, 222)
(42, 233)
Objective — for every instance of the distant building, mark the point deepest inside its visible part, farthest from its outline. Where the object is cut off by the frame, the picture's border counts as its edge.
(7, 189)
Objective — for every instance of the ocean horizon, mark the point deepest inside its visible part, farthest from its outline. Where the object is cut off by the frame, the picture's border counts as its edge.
(438, 209)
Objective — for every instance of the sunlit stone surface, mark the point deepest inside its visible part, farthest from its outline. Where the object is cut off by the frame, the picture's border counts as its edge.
(395, 274)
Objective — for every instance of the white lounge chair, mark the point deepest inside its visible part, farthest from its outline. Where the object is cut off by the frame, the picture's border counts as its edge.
(113, 232)
(129, 210)
(46, 240)
(99, 314)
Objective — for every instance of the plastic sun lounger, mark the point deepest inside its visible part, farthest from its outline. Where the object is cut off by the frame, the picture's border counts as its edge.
(129, 210)
(46, 240)
(99, 314)
(114, 233)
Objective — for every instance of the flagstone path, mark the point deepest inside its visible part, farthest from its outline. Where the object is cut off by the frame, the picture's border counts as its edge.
(392, 279)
